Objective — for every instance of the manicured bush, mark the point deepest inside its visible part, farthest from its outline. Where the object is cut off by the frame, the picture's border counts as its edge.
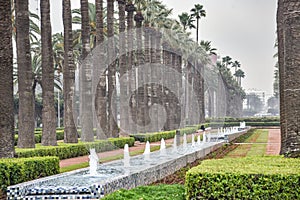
(245, 178)
(64, 151)
(157, 136)
(14, 171)
(38, 136)
(153, 192)
(245, 119)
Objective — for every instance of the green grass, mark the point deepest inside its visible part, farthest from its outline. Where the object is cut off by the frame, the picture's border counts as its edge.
(153, 192)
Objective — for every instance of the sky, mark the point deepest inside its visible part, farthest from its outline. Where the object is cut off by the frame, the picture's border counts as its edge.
(242, 29)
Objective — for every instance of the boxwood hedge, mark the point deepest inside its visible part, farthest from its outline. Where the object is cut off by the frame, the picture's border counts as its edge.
(245, 178)
(14, 171)
(64, 151)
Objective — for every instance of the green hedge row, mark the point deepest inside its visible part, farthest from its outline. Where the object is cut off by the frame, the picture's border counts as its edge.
(14, 171)
(230, 124)
(157, 136)
(245, 178)
(38, 136)
(245, 119)
(64, 151)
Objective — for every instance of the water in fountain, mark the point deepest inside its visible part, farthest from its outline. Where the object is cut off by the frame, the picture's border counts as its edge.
(162, 147)
(193, 140)
(126, 156)
(147, 151)
(204, 137)
(175, 144)
(93, 162)
(198, 140)
(184, 141)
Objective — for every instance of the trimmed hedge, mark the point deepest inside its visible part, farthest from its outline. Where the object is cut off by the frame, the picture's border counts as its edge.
(245, 178)
(157, 136)
(38, 136)
(14, 171)
(245, 119)
(64, 151)
(230, 124)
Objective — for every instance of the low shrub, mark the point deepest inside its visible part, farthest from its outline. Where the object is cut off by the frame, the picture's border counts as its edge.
(153, 192)
(157, 136)
(245, 119)
(64, 151)
(14, 171)
(38, 136)
(244, 178)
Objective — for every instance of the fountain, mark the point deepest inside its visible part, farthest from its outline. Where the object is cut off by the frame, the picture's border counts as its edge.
(147, 151)
(175, 144)
(184, 141)
(198, 140)
(96, 181)
(93, 162)
(126, 159)
(193, 140)
(204, 137)
(162, 147)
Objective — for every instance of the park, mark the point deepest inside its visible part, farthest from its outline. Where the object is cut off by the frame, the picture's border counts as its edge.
(126, 99)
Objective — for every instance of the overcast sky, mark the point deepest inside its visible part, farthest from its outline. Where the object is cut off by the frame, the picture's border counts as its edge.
(242, 29)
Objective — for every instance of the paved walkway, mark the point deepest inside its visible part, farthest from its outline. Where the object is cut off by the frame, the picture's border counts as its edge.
(273, 148)
(274, 142)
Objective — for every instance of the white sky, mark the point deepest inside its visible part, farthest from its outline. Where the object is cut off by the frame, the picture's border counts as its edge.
(242, 29)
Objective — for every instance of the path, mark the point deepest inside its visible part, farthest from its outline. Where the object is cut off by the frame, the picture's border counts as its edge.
(274, 138)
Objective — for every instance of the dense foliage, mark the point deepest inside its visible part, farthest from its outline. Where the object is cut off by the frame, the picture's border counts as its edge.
(14, 171)
(244, 178)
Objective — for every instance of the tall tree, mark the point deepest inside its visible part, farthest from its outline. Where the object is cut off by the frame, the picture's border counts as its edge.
(70, 131)
(291, 65)
(186, 21)
(101, 97)
(6, 82)
(86, 112)
(122, 67)
(49, 114)
(198, 12)
(25, 77)
(113, 127)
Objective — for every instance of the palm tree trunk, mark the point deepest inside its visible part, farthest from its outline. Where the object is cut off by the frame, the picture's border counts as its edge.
(49, 114)
(86, 113)
(132, 114)
(70, 131)
(6, 81)
(123, 70)
(141, 103)
(291, 61)
(26, 100)
(101, 96)
(113, 127)
(280, 38)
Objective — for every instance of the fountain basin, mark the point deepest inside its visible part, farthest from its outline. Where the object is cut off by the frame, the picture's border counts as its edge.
(112, 176)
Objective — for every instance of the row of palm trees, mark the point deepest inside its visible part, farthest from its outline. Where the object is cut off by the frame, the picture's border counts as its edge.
(142, 23)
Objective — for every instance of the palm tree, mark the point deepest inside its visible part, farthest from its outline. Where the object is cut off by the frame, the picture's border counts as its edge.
(26, 99)
(239, 74)
(206, 45)
(236, 64)
(130, 9)
(186, 21)
(291, 64)
(49, 114)
(6, 82)
(86, 111)
(122, 66)
(70, 131)
(227, 60)
(198, 12)
(101, 97)
(280, 38)
(112, 124)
